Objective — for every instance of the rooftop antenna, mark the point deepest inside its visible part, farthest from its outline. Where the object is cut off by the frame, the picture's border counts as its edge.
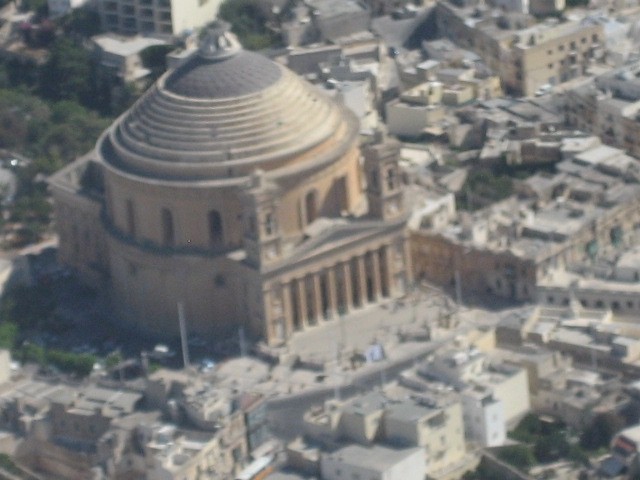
(183, 335)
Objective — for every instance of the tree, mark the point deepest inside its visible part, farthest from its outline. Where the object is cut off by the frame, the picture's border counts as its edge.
(32, 353)
(27, 307)
(79, 364)
(601, 430)
(249, 22)
(519, 456)
(113, 360)
(83, 22)
(551, 447)
(39, 7)
(483, 187)
(155, 59)
(631, 412)
(8, 334)
(68, 74)
(528, 429)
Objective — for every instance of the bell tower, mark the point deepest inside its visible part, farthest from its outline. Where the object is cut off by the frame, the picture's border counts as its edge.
(262, 239)
(384, 185)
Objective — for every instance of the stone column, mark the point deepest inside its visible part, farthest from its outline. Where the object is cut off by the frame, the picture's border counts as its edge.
(362, 280)
(408, 270)
(383, 262)
(317, 297)
(375, 272)
(348, 292)
(287, 311)
(302, 303)
(391, 269)
(332, 294)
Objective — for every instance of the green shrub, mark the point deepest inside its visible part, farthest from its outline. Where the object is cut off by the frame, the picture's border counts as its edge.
(520, 456)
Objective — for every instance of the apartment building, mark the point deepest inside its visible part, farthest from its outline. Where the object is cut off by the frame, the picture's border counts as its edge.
(551, 53)
(611, 282)
(587, 209)
(469, 369)
(119, 58)
(156, 17)
(527, 55)
(431, 421)
(58, 8)
(484, 420)
(562, 390)
(373, 463)
(587, 335)
(609, 107)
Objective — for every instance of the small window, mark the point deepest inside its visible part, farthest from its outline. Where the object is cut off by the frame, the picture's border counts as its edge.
(391, 179)
(215, 228)
(311, 206)
(374, 179)
(168, 231)
(131, 219)
(269, 224)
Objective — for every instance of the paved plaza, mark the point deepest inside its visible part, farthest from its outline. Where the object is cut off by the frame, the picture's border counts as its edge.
(321, 357)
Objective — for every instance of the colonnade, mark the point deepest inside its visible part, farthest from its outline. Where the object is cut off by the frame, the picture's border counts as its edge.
(336, 290)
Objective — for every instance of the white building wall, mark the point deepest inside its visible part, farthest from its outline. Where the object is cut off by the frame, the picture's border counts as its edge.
(484, 424)
(411, 120)
(163, 17)
(338, 466)
(514, 393)
(193, 14)
(520, 6)
(58, 8)
(5, 366)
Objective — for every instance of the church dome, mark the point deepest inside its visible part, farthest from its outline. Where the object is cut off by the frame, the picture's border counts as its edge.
(222, 114)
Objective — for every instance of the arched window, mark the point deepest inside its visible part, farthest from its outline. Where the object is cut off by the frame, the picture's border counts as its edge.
(269, 224)
(131, 219)
(311, 206)
(168, 232)
(374, 179)
(216, 231)
(391, 179)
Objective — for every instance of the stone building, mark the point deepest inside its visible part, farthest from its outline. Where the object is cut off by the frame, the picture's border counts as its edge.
(588, 209)
(431, 420)
(234, 188)
(159, 17)
(525, 54)
(609, 107)
(58, 8)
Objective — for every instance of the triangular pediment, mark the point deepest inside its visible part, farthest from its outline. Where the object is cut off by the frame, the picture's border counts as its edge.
(334, 238)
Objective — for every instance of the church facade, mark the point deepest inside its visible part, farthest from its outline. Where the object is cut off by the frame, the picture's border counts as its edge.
(238, 190)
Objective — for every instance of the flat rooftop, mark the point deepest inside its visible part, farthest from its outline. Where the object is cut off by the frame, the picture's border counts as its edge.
(125, 46)
(334, 8)
(376, 458)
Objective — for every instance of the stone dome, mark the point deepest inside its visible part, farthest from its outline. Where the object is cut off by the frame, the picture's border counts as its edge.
(222, 114)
